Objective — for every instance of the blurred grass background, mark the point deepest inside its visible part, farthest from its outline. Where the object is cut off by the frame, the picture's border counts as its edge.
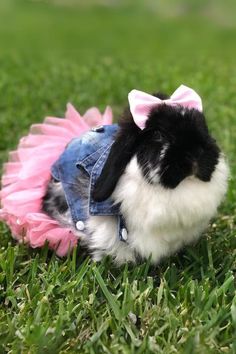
(92, 53)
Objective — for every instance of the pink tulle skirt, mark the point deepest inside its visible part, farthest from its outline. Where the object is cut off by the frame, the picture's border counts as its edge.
(27, 173)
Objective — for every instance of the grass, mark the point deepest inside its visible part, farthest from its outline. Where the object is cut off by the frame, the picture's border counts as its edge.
(93, 56)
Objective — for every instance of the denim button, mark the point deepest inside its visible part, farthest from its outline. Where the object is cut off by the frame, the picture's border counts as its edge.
(124, 234)
(80, 225)
(98, 129)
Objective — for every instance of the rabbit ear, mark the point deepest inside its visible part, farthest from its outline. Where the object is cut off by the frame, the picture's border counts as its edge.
(121, 153)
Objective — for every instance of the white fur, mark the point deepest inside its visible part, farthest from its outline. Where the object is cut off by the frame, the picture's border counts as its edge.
(159, 220)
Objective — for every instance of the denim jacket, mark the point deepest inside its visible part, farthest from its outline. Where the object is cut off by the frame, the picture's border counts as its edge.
(87, 153)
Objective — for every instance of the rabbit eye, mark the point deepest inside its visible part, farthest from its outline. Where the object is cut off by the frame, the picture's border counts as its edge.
(157, 136)
(200, 151)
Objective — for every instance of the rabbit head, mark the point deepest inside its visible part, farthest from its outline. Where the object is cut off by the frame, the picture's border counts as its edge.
(173, 144)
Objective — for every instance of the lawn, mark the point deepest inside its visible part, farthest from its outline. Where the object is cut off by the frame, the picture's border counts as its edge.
(94, 55)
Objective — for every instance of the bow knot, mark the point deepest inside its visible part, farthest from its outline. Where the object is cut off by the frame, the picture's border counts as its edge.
(141, 103)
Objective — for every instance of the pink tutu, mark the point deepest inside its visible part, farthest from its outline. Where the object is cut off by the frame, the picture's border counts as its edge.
(27, 173)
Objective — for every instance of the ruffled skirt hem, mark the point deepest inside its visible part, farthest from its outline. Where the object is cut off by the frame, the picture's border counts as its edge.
(27, 173)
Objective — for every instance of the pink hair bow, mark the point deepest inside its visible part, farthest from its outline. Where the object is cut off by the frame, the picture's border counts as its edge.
(141, 103)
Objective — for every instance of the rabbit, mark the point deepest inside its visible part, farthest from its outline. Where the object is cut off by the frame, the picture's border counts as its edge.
(163, 171)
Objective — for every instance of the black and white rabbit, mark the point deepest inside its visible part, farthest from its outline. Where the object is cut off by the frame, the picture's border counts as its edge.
(168, 179)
